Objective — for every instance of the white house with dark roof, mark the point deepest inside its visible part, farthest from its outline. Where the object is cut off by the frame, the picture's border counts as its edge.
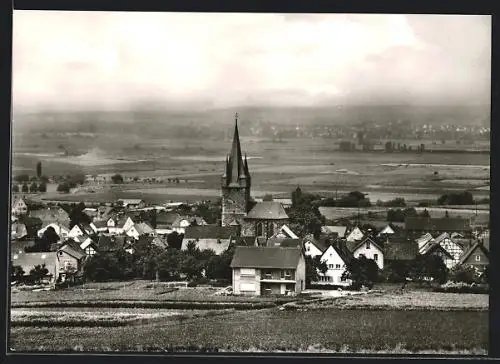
(314, 247)
(268, 271)
(336, 256)
(369, 248)
(340, 231)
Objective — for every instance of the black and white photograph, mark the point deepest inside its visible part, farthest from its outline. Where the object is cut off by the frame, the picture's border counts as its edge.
(189, 182)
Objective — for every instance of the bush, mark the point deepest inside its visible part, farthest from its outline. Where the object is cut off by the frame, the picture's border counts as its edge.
(452, 287)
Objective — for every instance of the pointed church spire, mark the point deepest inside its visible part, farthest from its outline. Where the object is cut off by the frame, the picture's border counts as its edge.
(236, 169)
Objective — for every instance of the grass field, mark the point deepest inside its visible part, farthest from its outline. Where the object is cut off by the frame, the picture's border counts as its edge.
(315, 164)
(271, 330)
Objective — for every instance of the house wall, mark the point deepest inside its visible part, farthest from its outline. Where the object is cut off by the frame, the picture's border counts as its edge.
(370, 254)
(74, 232)
(354, 235)
(454, 249)
(311, 250)
(239, 279)
(62, 259)
(300, 275)
(483, 259)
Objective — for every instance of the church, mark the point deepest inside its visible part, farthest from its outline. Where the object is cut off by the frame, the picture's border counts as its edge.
(255, 219)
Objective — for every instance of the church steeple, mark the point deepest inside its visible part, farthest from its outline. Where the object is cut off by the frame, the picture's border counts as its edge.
(236, 167)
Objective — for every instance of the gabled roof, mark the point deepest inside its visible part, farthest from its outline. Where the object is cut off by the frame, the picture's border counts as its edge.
(286, 231)
(264, 257)
(340, 230)
(437, 224)
(166, 218)
(285, 243)
(72, 248)
(210, 232)
(341, 249)
(472, 249)
(267, 210)
(431, 248)
(353, 245)
(322, 243)
(99, 224)
(143, 228)
(51, 214)
(400, 249)
(243, 240)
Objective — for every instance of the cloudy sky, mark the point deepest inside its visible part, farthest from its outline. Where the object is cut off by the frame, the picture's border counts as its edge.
(120, 60)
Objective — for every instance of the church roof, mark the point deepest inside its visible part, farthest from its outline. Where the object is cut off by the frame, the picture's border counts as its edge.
(267, 210)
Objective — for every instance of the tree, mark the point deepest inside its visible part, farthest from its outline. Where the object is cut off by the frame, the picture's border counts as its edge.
(190, 266)
(22, 178)
(39, 169)
(16, 273)
(63, 187)
(465, 274)
(314, 266)
(77, 216)
(15, 188)
(219, 266)
(117, 179)
(33, 187)
(267, 197)
(42, 187)
(25, 188)
(361, 271)
(174, 240)
(39, 272)
(429, 267)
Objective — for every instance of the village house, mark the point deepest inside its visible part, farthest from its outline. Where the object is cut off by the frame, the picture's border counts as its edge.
(100, 226)
(477, 255)
(119, 225)
(369, 248)
(19, 207)
(69, 259)
(267, 271)
(399, 249)
(336, 256)
(140, 229)
(355, 235)
(213, 237)
(182, 222)
(81, 229)
(18, 231)
(315, 247)
(454, 249)
(338, 231)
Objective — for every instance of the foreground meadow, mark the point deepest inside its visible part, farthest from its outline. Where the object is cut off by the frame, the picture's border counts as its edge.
(328, 330)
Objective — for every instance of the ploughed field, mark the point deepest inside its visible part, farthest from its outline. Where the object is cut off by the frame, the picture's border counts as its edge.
(105, 318)
(275, 167)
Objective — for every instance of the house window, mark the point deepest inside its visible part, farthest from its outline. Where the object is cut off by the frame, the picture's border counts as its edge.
(375, 257)
(247, 272)
(330, 266)
(287, 274)
(337, 266)
(267, 274)
(270, 229)
(259, 229)
(367, 245)
(478, 258)
(308, 248)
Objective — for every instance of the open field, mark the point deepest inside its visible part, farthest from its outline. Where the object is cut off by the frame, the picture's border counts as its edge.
(314, 164)
(328, 330)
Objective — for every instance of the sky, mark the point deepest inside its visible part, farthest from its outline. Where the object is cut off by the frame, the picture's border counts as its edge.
(124, 60)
